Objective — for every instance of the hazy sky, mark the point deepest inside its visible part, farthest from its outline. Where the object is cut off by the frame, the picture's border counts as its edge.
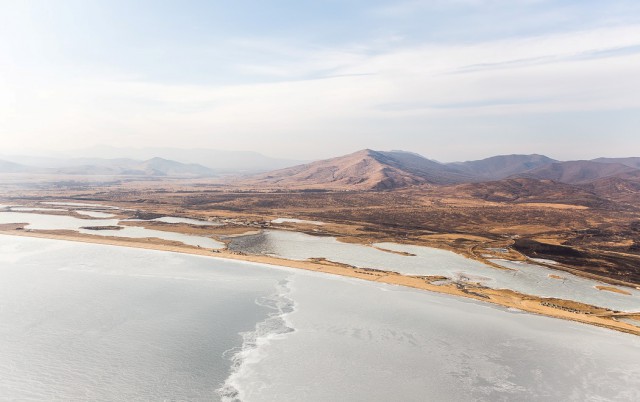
(450, 79)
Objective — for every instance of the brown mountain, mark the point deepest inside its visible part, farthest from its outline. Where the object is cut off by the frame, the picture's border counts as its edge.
(502, 166)
(633, 162)
(581, 172)
(378, 170)
(362, 170)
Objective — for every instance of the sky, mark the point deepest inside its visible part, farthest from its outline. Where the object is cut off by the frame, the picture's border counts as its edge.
(449, 79)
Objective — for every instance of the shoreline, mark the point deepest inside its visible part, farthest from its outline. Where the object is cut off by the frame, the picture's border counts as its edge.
(555, 308)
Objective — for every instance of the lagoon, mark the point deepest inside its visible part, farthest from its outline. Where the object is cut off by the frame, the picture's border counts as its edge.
(63, 222)
(419, 260)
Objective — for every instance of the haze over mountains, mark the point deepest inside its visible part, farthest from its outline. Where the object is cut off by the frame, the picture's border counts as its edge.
(110, 167)
(221, 161)
(145, 161)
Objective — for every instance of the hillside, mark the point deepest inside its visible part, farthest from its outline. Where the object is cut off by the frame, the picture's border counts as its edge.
(633, 162)
(581, 172)
(11, 167)
(502, 166)
(526, 190)
(164, 167)
(616, 188)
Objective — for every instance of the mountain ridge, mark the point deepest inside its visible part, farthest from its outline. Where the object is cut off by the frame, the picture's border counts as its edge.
(503, 166)
(387, 170)
(362, 170)
(581, 171)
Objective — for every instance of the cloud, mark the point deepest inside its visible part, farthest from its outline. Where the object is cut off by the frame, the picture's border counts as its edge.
(412, 7)
(310, 97)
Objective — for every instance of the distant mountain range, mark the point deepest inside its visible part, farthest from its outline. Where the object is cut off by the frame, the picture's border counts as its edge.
(363, 170)
(108, 160)
(377, 170)
(112, 167)
(221, 161)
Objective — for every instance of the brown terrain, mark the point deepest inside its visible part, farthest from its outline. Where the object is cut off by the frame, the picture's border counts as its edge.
(589, 227)
(580, 172)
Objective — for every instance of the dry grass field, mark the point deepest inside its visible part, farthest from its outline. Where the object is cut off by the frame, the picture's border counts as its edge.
(581, 231)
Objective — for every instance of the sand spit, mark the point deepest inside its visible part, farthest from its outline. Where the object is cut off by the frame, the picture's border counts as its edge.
(612, 289)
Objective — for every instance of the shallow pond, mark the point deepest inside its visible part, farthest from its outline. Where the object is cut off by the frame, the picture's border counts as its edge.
(63, 222)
